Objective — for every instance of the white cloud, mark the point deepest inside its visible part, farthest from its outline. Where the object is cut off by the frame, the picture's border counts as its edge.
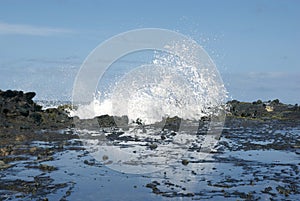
(263, 75)
(24, 29)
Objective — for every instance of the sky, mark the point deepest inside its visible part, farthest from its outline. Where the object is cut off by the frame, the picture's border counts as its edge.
(254, 44)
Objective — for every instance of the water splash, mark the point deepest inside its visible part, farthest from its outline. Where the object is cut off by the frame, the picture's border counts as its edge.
(181, 80)
(182, 83)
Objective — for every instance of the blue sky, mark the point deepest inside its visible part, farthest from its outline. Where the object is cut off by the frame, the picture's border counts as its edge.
(255, 44)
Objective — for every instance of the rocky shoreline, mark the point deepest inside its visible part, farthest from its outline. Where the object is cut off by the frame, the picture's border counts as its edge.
(35, 135)
(19, 112)
(17, 109)
(21, 119)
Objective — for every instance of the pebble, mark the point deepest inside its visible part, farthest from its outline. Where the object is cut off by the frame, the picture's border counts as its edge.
(153, 146)
(185, 162)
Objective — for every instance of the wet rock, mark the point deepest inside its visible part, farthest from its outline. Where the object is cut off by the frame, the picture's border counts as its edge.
(66, 107)
(275, 102)
(121, 121)
(6, 151)
(152, 146)
(116, 136)
(172, 123)
(19, 111)
(106, 121)
(33, 149)
(263, 110)
(283, 190)
(45, 167)
(257, 102)
(14, 103)
(153, 186)
(55, 116)
(185, 162)
(10, 93)
(36, 117)
(4, 165)
(112, 121)
(105, 157)
(29, 95)
(267, 189)
(203, 125)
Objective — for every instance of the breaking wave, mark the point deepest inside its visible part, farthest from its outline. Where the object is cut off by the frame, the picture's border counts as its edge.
(183, 83)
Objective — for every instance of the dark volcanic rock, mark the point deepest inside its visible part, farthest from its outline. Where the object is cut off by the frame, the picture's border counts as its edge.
(19, 111)
(172, 123)
(263, 110)
(36, 117)
(29, 96)
(106, 121)
(16, 103)
(112, 121)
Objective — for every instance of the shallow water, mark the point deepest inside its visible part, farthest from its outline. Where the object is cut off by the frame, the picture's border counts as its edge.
(259, 162)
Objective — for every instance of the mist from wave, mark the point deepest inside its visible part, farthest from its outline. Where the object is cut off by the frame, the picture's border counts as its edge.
(177, 84)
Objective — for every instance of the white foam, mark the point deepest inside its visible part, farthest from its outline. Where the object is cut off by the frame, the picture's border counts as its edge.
(179, 84)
